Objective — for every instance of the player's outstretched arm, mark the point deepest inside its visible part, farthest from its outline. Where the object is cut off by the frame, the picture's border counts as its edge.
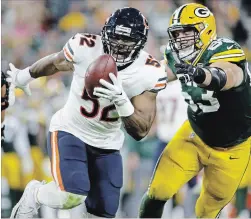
(234, 74)
(46, 66)
(219, 76)
(139, 123)
(50, 65)
(169, 73)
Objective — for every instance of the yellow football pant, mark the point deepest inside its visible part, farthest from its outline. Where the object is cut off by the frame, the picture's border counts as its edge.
(185, 156)
(11, 170)
(246, 180)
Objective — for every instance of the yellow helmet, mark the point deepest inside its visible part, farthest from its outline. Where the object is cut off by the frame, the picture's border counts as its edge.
(195, 17)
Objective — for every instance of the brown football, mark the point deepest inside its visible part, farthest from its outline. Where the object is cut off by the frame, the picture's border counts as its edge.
(99, 69)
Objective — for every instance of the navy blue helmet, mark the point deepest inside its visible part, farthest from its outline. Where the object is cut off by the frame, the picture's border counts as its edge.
(125, 34)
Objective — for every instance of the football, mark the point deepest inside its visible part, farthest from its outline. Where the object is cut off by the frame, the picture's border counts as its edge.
(99, 69)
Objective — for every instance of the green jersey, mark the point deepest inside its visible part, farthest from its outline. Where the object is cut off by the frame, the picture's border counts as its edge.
(220, 119)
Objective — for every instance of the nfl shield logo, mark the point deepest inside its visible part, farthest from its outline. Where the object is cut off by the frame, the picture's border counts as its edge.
(192, 135)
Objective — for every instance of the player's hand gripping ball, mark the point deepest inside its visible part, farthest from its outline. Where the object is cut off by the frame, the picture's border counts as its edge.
(99, 69)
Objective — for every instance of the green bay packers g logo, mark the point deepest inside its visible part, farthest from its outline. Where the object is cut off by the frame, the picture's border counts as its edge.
(202, 12)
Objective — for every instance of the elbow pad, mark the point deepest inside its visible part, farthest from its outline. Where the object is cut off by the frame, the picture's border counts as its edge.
(219, 79)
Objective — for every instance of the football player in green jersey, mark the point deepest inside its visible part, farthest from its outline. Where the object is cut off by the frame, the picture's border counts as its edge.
(216, 84)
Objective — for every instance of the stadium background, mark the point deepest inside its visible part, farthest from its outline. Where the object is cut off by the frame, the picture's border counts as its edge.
(31, 29)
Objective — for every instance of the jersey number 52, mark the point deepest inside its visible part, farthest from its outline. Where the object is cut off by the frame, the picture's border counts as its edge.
(96, 108)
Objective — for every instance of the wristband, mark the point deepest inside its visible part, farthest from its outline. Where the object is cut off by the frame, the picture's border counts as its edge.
(125, 109)
(219, 79)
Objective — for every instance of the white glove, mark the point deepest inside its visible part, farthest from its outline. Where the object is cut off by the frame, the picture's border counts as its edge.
(115, 93)
(19, 78)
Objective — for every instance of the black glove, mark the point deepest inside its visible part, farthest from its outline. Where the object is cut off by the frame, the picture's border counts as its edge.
(5, 99)
(2, 134)
(190, 73)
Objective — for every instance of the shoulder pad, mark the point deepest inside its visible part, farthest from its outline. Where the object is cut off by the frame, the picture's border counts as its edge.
(155, 75)
(224, 49)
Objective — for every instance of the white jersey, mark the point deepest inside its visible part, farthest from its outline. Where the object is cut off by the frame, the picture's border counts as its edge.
(171, 111)
(96, 121)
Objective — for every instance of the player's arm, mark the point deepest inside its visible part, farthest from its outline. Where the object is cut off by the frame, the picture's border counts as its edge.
(46, 66)
(61, 61)
(168, 63)
(139, 123)
(219, 76)
(170, 75)
(223, 72)
(50, 65)
(226, 75)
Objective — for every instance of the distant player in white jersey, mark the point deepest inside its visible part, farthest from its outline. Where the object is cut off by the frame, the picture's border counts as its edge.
(171, 114)
(171, 111)
(85, 136)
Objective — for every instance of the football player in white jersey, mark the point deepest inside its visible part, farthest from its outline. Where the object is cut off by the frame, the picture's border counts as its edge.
(85, 136)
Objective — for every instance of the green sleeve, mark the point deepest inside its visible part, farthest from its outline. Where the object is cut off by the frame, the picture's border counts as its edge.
(169, 59)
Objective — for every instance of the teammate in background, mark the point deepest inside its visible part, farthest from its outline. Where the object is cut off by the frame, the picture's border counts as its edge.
(16, 158)
(216, 84)
(85, 135)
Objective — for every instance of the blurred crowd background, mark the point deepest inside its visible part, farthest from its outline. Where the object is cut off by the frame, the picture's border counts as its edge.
(32, 29)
